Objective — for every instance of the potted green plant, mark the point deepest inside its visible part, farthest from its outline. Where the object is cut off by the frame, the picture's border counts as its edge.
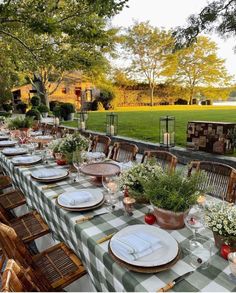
(134, 178)
(7, 107)
(67, 111)
(43, 109)
(34, 113)
(221, 220)
(172, 195)
(35, 101)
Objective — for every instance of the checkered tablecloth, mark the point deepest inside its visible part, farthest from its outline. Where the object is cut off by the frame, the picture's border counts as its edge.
(106, 274)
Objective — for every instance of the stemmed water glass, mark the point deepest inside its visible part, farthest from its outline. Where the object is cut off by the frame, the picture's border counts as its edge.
(200, 247)
(78, 160)
(111, 184)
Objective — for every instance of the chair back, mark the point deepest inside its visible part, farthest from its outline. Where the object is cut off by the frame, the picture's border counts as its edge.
(220, 179)
(14, 248)
(165, 159)
(5, 215)
(101, 143)
(124, 152)
(16, 279)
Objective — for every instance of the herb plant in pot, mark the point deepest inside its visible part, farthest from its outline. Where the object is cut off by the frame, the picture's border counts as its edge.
(172, 195)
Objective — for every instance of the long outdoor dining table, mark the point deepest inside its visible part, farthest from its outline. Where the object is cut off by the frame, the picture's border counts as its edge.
(105, 273)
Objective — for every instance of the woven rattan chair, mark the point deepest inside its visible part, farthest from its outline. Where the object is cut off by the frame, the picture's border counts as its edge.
(5, 182)
(220, 179)
(28, 227)
(100, 143)
(52, 269)
(16, 279)
(12, 199)
(164, 158)
(124, 152)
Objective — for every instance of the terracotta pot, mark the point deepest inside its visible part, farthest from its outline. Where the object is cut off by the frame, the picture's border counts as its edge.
(168, 219)
(220, 240)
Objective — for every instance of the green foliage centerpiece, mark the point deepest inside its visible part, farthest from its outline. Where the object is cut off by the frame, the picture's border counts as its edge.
(172, 195)
(134, 179)
(69, 144)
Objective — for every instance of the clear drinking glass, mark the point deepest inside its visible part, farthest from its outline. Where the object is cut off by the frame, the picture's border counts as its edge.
(111, 184)
(200, 248)
(78, 160)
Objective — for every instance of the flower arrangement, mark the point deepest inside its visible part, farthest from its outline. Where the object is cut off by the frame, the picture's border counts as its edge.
(69, 144)
(221, 218)
(134, 179)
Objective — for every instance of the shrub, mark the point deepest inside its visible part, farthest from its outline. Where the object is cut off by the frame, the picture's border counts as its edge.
(5, 114)
(21, 107)
(34, 113)
(53, 104)
(57, 111)
(35, 101)
(106, 96)
(181, 102)
(43, 108)
(7, 107)
(66, 109)
(94, 105)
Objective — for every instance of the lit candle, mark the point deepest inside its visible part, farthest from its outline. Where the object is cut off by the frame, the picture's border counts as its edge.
(112, 186)
(201, 200)
(82, 125)
(166, 138)
(112, 130)
(128, 204)
(57, 121)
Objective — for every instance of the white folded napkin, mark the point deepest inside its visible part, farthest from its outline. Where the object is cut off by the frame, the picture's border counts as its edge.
(75, 198)
(35, 133)
(47, 173)
(136, 245)
(25, 160)
(7, 142)
(124, 166)
(14, 150)
(95, 155)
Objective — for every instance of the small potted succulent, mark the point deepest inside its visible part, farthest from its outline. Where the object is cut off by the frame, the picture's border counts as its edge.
(172, 195)
(134, 178)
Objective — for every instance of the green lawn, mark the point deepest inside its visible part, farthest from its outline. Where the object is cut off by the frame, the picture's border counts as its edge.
(143, 123)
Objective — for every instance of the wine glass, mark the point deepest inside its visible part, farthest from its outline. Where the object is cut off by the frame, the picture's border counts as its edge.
(78, 160)
(111, 184)
(200, 247)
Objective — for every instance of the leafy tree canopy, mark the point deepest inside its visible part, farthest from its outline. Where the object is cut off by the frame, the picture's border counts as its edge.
(218, 16)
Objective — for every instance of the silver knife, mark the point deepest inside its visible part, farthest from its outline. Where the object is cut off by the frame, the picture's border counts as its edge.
(87, 218)
(174, 282)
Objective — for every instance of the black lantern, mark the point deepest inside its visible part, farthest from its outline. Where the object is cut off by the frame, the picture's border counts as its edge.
(112, 124)
(82, 119)
(167, 131)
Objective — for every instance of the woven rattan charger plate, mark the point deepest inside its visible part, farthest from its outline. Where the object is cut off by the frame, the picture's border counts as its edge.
(145, 270)
(81, 209)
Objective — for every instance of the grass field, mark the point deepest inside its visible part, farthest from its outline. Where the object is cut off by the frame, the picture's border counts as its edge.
(143, 122)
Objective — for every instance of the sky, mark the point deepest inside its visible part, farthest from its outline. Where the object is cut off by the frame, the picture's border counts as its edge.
(172, 13)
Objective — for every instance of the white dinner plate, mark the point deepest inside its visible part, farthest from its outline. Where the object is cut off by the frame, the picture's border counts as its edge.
(4, 137)
(26, 160)
(36, 133)
(165, 254)
(14, 151)
(5, 143)
(61, 174)
(97, 197)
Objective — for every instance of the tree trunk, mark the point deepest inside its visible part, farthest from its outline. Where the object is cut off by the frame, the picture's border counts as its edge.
(191, 97)
(151, 95)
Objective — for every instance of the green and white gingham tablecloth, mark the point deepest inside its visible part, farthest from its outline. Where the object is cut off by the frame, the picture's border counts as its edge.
(106, 274)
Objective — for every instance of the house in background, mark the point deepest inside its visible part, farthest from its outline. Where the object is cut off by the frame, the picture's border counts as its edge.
(72, 89)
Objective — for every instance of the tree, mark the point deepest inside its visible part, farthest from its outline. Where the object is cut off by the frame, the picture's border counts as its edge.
(218, 16)
(49, 38)
(198, 65)
(148, 49)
